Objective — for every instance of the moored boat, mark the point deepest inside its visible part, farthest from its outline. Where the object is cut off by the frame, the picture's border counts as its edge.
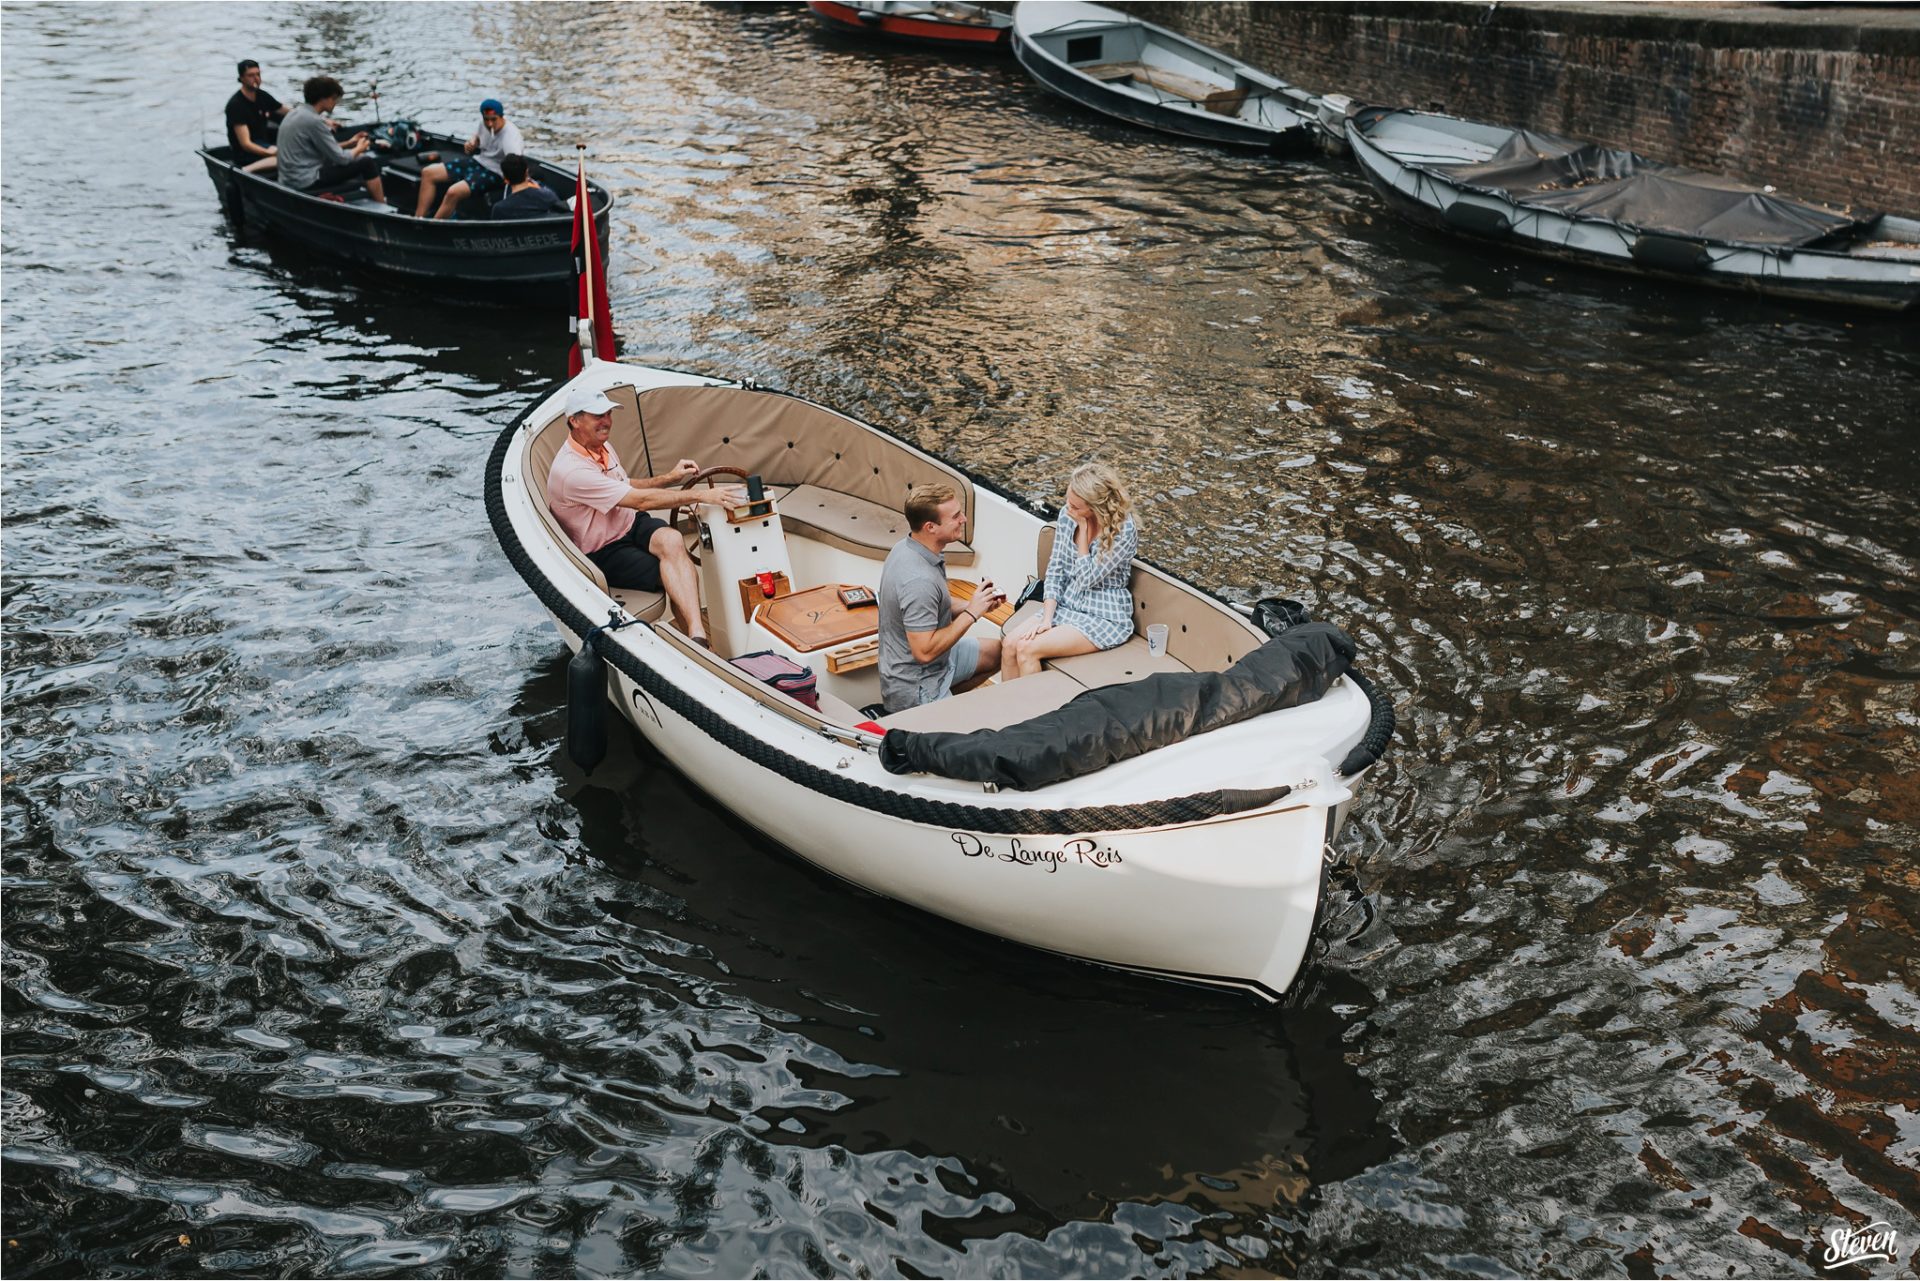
(522, 260)
(948, 23)
(1165, 812)
(1603, 207)
(1117, 64)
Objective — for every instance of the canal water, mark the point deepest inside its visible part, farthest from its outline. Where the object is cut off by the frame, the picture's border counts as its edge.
(322, 959)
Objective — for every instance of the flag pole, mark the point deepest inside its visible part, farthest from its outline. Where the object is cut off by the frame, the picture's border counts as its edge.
(582, 196)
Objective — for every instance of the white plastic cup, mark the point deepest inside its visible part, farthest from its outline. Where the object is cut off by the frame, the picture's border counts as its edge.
(1156, 639)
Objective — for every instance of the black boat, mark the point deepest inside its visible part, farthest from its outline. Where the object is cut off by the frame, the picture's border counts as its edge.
(527, 260)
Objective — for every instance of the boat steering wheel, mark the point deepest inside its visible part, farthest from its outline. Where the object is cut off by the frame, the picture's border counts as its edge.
(686, 513)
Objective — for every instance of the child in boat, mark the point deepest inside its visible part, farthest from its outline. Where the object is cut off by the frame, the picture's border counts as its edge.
(1088, 604)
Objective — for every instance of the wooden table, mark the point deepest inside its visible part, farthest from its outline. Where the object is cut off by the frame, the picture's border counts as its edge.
(815, 619)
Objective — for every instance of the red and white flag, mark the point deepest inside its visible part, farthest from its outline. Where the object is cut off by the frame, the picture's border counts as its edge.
(596, 315)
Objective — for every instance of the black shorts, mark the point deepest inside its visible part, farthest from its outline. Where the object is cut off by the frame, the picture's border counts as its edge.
(626, 561)
(362, 167)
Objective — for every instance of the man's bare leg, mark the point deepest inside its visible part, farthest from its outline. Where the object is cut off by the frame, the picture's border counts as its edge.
(680, 579)
(430, 179)
(457, 193)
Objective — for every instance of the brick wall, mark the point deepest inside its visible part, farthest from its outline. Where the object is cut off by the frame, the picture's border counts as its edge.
(1821, 104)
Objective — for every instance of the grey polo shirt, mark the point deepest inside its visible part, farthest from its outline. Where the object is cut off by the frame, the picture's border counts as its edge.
(306, 147)
(913, 597)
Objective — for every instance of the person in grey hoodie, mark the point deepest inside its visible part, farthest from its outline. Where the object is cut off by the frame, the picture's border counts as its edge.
(310, 158)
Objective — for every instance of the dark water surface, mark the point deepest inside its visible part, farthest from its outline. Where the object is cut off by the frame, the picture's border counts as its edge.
(320, 957)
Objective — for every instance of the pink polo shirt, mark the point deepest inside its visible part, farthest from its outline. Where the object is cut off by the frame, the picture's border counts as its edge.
(585, 499)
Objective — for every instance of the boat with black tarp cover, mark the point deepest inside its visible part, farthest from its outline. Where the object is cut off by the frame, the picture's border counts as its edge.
(1165, 811)
(520, 261)
(1604, 207)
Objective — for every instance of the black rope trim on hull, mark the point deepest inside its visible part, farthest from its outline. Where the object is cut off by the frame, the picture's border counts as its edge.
(1379, 729)
(1020, 822)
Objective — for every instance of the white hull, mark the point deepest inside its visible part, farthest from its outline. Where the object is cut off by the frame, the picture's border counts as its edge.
(1229, 901)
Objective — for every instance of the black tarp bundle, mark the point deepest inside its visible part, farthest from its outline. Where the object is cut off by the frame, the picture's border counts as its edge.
(1543, 171)
(1118, 722)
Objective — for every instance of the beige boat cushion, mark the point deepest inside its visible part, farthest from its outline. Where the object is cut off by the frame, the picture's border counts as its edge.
(1116, 666)
(647, 606)
(760, 432)
(1201, 632)
(851, 524)
(993, 706)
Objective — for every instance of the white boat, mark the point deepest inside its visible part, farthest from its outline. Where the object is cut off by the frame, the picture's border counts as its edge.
(1602, 207)
(1198, 860)
(1120, 65)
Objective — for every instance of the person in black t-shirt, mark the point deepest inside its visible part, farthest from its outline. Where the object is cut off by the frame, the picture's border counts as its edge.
(253, 115)
(525, 198)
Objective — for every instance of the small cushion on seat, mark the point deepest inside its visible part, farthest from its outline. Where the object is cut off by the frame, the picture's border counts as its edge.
(1116, 666)
(989, 707)
(850, 524)
(645, 606)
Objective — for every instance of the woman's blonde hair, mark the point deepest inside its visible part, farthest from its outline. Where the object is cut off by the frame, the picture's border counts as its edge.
(1100, 488)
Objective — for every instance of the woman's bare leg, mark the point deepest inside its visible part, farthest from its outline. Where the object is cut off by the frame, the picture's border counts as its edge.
(1010, 646)
(1058, 641)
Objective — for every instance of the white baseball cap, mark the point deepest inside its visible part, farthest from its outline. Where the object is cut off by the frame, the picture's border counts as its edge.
(588, 400)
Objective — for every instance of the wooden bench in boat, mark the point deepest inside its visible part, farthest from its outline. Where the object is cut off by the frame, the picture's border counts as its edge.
(1221, 100)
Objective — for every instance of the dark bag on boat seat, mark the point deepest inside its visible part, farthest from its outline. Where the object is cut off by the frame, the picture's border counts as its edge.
(781, 672)
(401, 138)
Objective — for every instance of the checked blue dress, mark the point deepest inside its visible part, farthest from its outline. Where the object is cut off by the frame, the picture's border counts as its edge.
(1091, 592)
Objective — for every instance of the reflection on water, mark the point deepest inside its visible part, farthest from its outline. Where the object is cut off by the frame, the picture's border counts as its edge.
(321, 958)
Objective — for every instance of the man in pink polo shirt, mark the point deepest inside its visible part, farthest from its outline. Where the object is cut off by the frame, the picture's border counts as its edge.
(606, 512)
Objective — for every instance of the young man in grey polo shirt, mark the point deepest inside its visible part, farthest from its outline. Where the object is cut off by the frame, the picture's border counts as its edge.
(310, 158)
(924, 647)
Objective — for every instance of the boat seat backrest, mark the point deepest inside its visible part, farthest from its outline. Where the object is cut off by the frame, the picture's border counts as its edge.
(1202, 633)
(763, 433)
(851, 524)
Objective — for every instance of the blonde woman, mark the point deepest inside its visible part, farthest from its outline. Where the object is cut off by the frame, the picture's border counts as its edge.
(1088, 604)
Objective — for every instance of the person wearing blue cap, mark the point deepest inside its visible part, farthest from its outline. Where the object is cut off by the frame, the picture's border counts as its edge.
(477, 172)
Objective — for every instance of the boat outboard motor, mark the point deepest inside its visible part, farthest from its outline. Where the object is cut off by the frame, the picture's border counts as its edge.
(1276, 614)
